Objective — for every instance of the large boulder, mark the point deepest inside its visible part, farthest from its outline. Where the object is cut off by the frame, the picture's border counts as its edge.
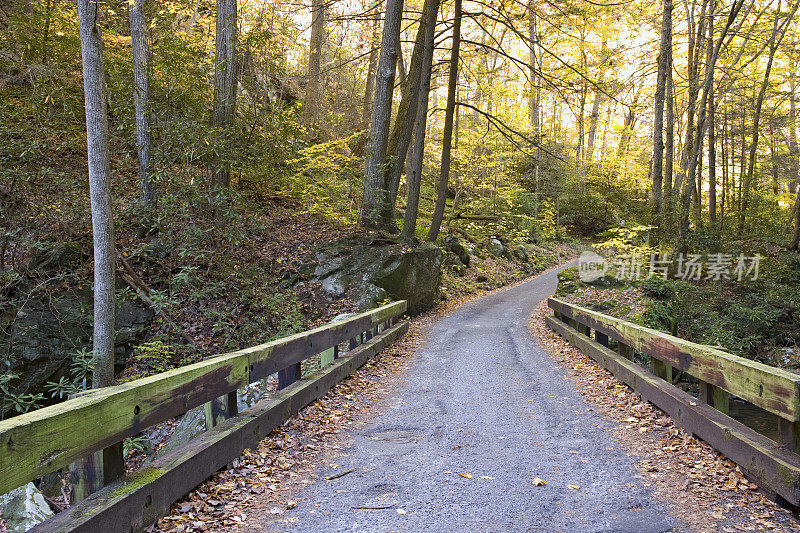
(455, 246)
(55, 257)
(369, 272)
(521, 253)
(24, 508)
(498, 249)
(46, 334)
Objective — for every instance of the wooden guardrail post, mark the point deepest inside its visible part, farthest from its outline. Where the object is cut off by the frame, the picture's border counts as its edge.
(661, 369)
(714, 396)
(789, 434)
(98, 469)
(601, 338)
(289, 375)
(221, 409)
(625, 350)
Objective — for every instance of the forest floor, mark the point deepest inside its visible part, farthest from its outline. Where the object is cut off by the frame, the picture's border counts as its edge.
(363, 454)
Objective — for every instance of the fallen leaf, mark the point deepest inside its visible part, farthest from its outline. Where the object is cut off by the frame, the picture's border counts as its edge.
(574, 487)
(487, 477)
(401, 511)
(539, 482)
(464, 474)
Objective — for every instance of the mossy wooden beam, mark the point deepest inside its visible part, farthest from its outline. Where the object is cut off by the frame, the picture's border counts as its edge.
(772, 467)
(138, 500)
(773, 389)
(266, 359)
(37, 443)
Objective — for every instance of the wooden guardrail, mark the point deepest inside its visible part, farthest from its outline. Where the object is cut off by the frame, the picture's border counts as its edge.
(40, 442)
(775, 465)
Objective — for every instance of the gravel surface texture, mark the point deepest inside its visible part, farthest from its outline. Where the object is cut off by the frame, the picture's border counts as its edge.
(483, 432)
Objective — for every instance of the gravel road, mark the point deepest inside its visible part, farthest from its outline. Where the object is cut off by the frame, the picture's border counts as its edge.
(482, 399)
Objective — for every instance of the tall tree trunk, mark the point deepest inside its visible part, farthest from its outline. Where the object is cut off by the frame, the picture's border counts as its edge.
(796, 236)
(373, 60)
(598, 98)
(100, 193)
(533, 101)
(89, 474)
(316, 82)
(417, 152)
(775, 40)
(725, 168)
(400, 137)
(447, 137)
(225, 85)
(794, 153)
(658, 119)
(375, 190)
(669, 142)
(141, 97)
(694, 158)
(712, 162)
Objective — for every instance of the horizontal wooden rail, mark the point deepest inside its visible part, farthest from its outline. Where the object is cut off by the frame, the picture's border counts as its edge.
(770, 388)
(134, 502)
(773, 467)
(40, 442)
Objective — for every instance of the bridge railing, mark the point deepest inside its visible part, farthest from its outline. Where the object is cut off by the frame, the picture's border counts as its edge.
(720, 374)
(51, 438)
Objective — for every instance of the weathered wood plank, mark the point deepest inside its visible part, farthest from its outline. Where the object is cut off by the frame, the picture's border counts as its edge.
(266, 359)
(36, 443)
(137, 501)
(326, 357)
(773, 389)
(661, 369)
(770, 466)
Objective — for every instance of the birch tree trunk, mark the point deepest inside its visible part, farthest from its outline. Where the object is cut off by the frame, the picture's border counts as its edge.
(375, 190)
(225, 85)
(141, 97)
(447, 136)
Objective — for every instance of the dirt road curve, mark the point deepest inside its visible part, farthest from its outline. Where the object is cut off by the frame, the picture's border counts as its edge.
(483, 411)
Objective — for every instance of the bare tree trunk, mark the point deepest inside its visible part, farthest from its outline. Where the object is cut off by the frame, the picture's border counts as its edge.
(794, 153)
(373, 60)
(416, 155)
(316, 81)
(103, 233)
(533, 101)
(683, 229)
(444, 174)
(225, 87)
(598, 98)
(669, 141)
(375, 190)
(141, 97)
(658, 119)
(712, 162)
(400, 137)
(774, 43)
(796, 237)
